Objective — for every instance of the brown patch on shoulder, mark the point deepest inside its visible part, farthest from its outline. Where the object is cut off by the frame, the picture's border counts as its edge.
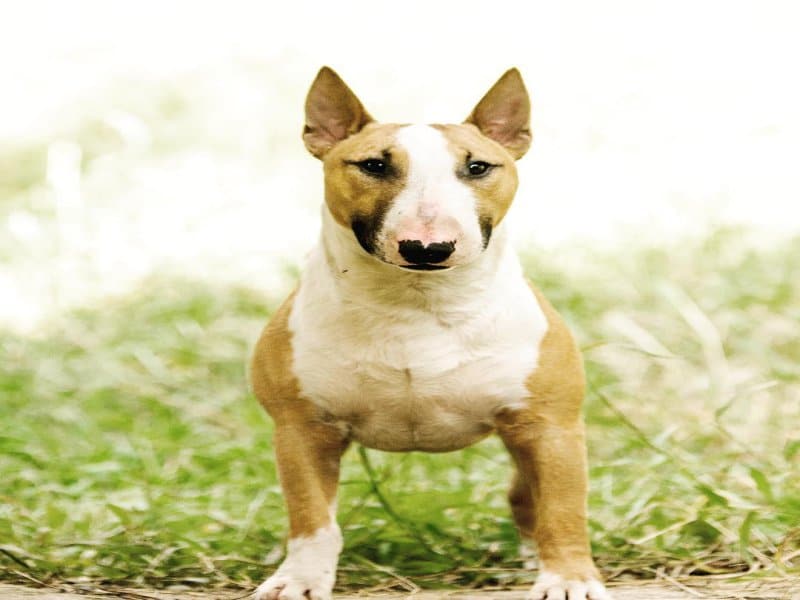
(307, 446)
(271, 373)
(557, 386)
(495, 192)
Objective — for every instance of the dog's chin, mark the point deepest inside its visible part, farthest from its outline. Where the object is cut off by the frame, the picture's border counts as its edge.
(420, 268)
(425, 267)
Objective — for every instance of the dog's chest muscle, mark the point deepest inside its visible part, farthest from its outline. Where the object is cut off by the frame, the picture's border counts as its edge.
(414, 379)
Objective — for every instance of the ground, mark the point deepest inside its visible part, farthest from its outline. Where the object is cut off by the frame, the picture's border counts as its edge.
(698, 587)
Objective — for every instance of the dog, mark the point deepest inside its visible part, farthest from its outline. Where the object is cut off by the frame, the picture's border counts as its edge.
(414, 328)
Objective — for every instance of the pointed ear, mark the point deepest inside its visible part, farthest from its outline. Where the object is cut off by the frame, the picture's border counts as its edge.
(504, 114)
(332, 113)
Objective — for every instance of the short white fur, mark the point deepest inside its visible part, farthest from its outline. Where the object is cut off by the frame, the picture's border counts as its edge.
(432, 187)
(405, 360)
(309, 570)
(551, 585)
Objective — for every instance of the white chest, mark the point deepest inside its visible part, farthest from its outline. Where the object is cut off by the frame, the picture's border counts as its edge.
(415, 377)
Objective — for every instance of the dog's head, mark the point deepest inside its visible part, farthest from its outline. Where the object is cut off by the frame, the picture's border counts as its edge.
(423, 197)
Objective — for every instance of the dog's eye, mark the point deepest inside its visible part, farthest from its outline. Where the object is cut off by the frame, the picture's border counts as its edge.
(478, 168)
(373, 166)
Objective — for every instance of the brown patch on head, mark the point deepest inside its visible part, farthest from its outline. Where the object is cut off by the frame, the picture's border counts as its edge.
(496, 190)
(342, 133)
(358, 199)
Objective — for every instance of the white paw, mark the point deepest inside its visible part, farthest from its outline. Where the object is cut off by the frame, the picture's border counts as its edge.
(291, 587)
(552, 586)
(309, 570)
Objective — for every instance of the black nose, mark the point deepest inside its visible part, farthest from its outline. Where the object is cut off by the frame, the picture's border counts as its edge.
(414, 252)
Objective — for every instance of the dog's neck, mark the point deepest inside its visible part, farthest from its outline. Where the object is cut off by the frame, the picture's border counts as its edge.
(366, 280)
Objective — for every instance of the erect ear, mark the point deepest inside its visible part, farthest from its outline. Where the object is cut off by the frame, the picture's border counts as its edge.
(504, 114)
(332, 113)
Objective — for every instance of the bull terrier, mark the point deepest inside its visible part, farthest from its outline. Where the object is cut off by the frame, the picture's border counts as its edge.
(414, 328)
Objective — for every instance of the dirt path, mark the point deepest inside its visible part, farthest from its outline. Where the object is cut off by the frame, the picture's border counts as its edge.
(765, 589)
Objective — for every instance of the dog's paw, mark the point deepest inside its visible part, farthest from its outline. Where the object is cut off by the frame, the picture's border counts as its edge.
(309, 570)
(551, 586)
(291, 587)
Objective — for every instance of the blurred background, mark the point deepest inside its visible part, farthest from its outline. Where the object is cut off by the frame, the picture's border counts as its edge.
(137, 137)
(156, 202)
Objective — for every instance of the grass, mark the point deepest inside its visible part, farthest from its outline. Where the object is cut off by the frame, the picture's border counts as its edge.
(132, 452)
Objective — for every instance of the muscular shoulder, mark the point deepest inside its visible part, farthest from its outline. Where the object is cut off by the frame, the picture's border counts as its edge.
(557, 384)
(271, 373)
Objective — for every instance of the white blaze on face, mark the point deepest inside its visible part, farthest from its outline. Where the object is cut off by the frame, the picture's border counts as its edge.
(435, 206)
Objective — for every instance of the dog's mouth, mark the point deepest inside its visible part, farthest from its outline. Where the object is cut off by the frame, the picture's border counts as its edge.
(425, 267)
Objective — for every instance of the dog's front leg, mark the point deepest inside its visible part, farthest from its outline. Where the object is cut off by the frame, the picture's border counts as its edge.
(549, 503)
(308, 455)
